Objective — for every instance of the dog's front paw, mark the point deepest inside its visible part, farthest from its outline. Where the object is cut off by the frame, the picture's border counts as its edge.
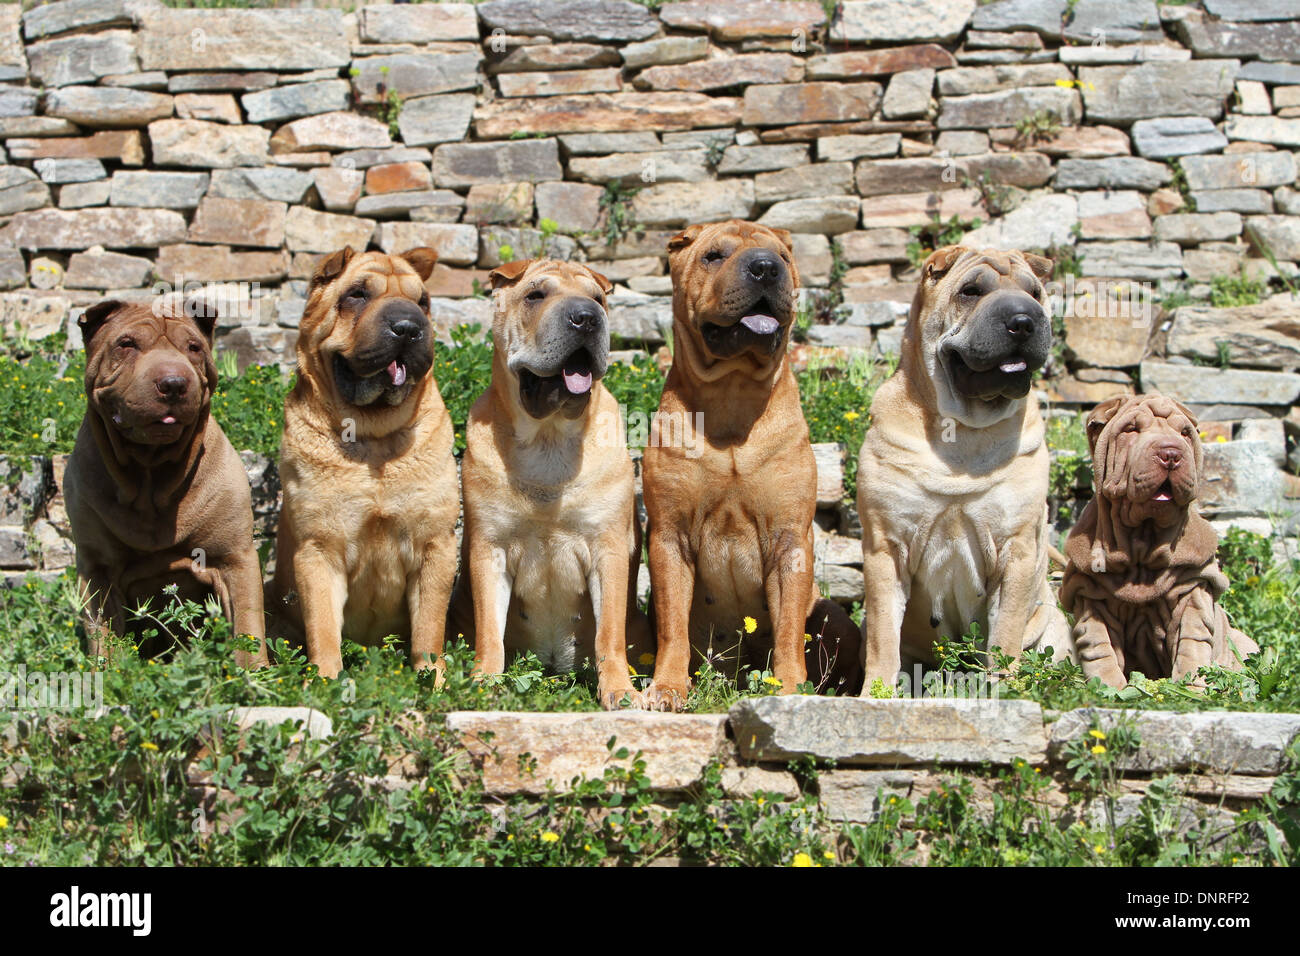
(665, 697)
(622, 698)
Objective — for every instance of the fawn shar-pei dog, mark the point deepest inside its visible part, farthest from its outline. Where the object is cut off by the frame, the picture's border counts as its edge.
(730, 478)
(953, 475)
(156, 493)
(1142, 577)
(366, 544)
(552, 542)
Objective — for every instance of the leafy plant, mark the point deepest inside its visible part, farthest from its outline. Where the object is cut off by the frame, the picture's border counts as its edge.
(936, 234)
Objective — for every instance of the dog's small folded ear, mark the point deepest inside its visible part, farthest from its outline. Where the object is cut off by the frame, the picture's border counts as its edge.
(204, 312)
(508, 272)
(684, 238)
(1040, 265)
(94, 317)
(941, 260)
(422, 259)
(787, 240)
(605, 284)
(1100, 416)
(332, 266)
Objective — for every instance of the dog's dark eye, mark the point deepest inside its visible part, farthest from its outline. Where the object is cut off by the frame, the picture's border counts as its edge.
(195, 347)
(971, 291)
(424, 301)
(714, 255)
(357, 292)
(1131, 427)
(537, 295)
(127, 344)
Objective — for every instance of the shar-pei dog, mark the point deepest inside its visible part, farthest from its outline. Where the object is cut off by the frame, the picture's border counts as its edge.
(366, 545)
(730, 479)
(552, 542)
(953, 475)
(1142, 579)
(156, 493)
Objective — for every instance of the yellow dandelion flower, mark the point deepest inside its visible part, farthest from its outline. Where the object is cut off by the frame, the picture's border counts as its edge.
(772, 681)
(829, 854)
(1097, 734)
(751, 625)
(851, 416)
(1221, 439)
(148, 746)
(801, 859)
(4, 822)
(1099, 749)
(549, 837)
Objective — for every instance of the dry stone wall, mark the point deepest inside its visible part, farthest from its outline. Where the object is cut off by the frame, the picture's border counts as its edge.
(1150, 149)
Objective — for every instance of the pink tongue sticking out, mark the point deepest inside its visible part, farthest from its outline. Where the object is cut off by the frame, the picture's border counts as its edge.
(169, 420)
(760, 324)
(578, 383)
(1017, 366)
(397, 374)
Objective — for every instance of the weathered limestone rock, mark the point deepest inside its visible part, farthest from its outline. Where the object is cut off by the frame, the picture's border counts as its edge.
(106, 106)
(296, 99)
(1192, 228)
(1264, 129)
(82, 58)
(916, 209)
(862, 731)
(166, 190)
(176, 39)
(859, 146)
(1176, 136)
(1257, 336)
(1200, 385)
(1266, 41)
(435, 119)
(182, 263)
(782, 104)
(422, 23)
(1222, 742)
(57, 18)
(414, 74)
(500, 202)
(890, 21)
(677, 204)
(828, 215)
(60, 171)
(1158, 89)
(1037, 224)
(80, 229)
(1127, 259)
(457, 245)
(1006, 108)
(596, 21)
(177, 142)
(660, 166)
(1121, 214)
(571, 206)
(239, 222)
(663, 51)
(20, 189)
(804, 182)
(717, 74)
(758, 159)
(466, 164)
(213, 107)
(908, 94)
(338, 130)
(966, 80)
(1262, 170)
(1118, 172)
(97, 269)
(730, 22)
(565, 56)
(306, 230)
(560, 82)
(859, 63)
(1279, 235)
(270, 182)
(605, 112)
(534, 753)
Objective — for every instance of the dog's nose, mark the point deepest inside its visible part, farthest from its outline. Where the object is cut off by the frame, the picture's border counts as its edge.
(1020, 325)
(407, 329)
(584, 319)
(172, 386)
(1171, 456)
(764, 268)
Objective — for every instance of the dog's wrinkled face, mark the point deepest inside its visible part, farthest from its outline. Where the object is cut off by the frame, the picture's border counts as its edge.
(366, 326)
(149, 376)
(550, 322)
(1146, 456)
(735, 282)
(984, 329)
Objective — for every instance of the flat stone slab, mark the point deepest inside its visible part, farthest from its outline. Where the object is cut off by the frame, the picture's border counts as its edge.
(313, 722)
(529, 753)
(860, 731)
(1217, 741)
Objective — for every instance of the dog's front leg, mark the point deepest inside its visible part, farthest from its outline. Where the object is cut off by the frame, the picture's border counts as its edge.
(428, 593)
(672, 587)
(607, 583)
(322, 592)
(1009, 613)
(789, 582)
(884, 601)
(1097, 654)
(1195, 644)
(492, 586)
(243, 576)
